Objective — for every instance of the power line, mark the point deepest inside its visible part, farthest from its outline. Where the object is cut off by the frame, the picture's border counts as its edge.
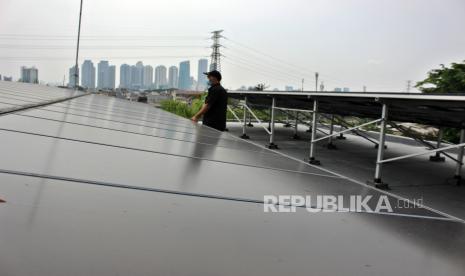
(260, 72)
(283, 62)
(266, 63)
(292, 67)
(102, 57)
(100, 37)
(267, 73)
(262, 67)
(270, 62)
(96, 47)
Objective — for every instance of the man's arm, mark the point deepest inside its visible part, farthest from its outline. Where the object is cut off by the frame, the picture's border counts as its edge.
(199, 114)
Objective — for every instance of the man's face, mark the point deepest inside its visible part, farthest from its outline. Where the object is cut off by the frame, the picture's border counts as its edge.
(212, 80)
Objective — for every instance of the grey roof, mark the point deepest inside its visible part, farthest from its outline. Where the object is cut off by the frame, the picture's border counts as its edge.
(102, 186)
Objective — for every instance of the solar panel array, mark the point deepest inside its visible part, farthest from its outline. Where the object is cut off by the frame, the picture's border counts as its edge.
(101, 186)
(439, 110)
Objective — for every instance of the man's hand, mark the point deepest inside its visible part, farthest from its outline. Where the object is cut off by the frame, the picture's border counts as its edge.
(199, 114)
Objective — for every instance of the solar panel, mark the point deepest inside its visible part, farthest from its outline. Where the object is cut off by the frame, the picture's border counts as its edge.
(102, 186)
(437, 110)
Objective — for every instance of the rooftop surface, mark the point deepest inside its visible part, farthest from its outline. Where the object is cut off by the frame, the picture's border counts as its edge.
(102, 186)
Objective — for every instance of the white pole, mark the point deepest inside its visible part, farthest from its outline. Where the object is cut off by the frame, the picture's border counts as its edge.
(76, 66)
(380, 156)
(458, 170)
(312, 159)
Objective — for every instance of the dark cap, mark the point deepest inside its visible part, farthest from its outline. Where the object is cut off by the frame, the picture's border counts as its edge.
(214, 74)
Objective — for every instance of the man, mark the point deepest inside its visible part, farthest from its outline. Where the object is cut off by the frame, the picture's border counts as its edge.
(215, 106)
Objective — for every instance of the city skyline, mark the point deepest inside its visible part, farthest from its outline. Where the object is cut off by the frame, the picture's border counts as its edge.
(138, 76)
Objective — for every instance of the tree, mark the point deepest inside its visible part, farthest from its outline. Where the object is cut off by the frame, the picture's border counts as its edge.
(444, 80)
(260, 87)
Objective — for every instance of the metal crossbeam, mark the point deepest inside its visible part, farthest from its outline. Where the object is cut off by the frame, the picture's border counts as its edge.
(294, 109)
(422, 153)
(234, 114)
(256, 118)
(348, 130)
(356, 132)
(420, 140)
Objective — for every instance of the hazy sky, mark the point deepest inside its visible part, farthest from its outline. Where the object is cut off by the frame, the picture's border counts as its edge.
(377, 43)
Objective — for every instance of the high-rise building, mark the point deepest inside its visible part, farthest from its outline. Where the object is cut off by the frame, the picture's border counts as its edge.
(160, 77)
(288, 88)
(106, 75)
(72, 76)
(184, 75)
(201, 78)
(193, 83)
(88, 74)
(148, 77)
(102, 73)
(111, 78)
(173, 77)
(137, 75)
(29, 75)
(135, 78)
(125, 76)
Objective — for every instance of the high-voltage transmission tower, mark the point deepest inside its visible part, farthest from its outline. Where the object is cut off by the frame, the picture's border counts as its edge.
(215, 63)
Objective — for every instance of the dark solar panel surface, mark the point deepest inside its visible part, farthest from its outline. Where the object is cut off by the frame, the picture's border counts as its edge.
(101, 186)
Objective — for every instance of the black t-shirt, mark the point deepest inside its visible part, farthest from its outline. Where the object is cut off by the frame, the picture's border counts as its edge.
(217, 100)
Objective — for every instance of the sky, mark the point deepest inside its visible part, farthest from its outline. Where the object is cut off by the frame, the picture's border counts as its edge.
(380, 44)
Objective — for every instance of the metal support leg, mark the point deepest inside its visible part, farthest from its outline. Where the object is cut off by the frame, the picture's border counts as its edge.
(312, 159)
(250, 121)
(341, 136)
(287, 124)
(437, 156)
(272, 145)
(244, 126)
(296, 127)
(382, 138)
(269, 122)
(458, 170)
(331, 131)
(309, 130)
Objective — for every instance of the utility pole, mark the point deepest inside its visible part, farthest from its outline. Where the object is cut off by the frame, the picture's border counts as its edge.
(316, 81)
(215, 63)
(409, 86)
(76, 68)
(303, 80)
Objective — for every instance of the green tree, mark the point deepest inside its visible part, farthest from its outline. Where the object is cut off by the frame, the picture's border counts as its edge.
(444, 80)
(260, 87)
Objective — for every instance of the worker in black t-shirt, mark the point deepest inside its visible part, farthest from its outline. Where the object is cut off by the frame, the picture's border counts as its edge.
(215, 106)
